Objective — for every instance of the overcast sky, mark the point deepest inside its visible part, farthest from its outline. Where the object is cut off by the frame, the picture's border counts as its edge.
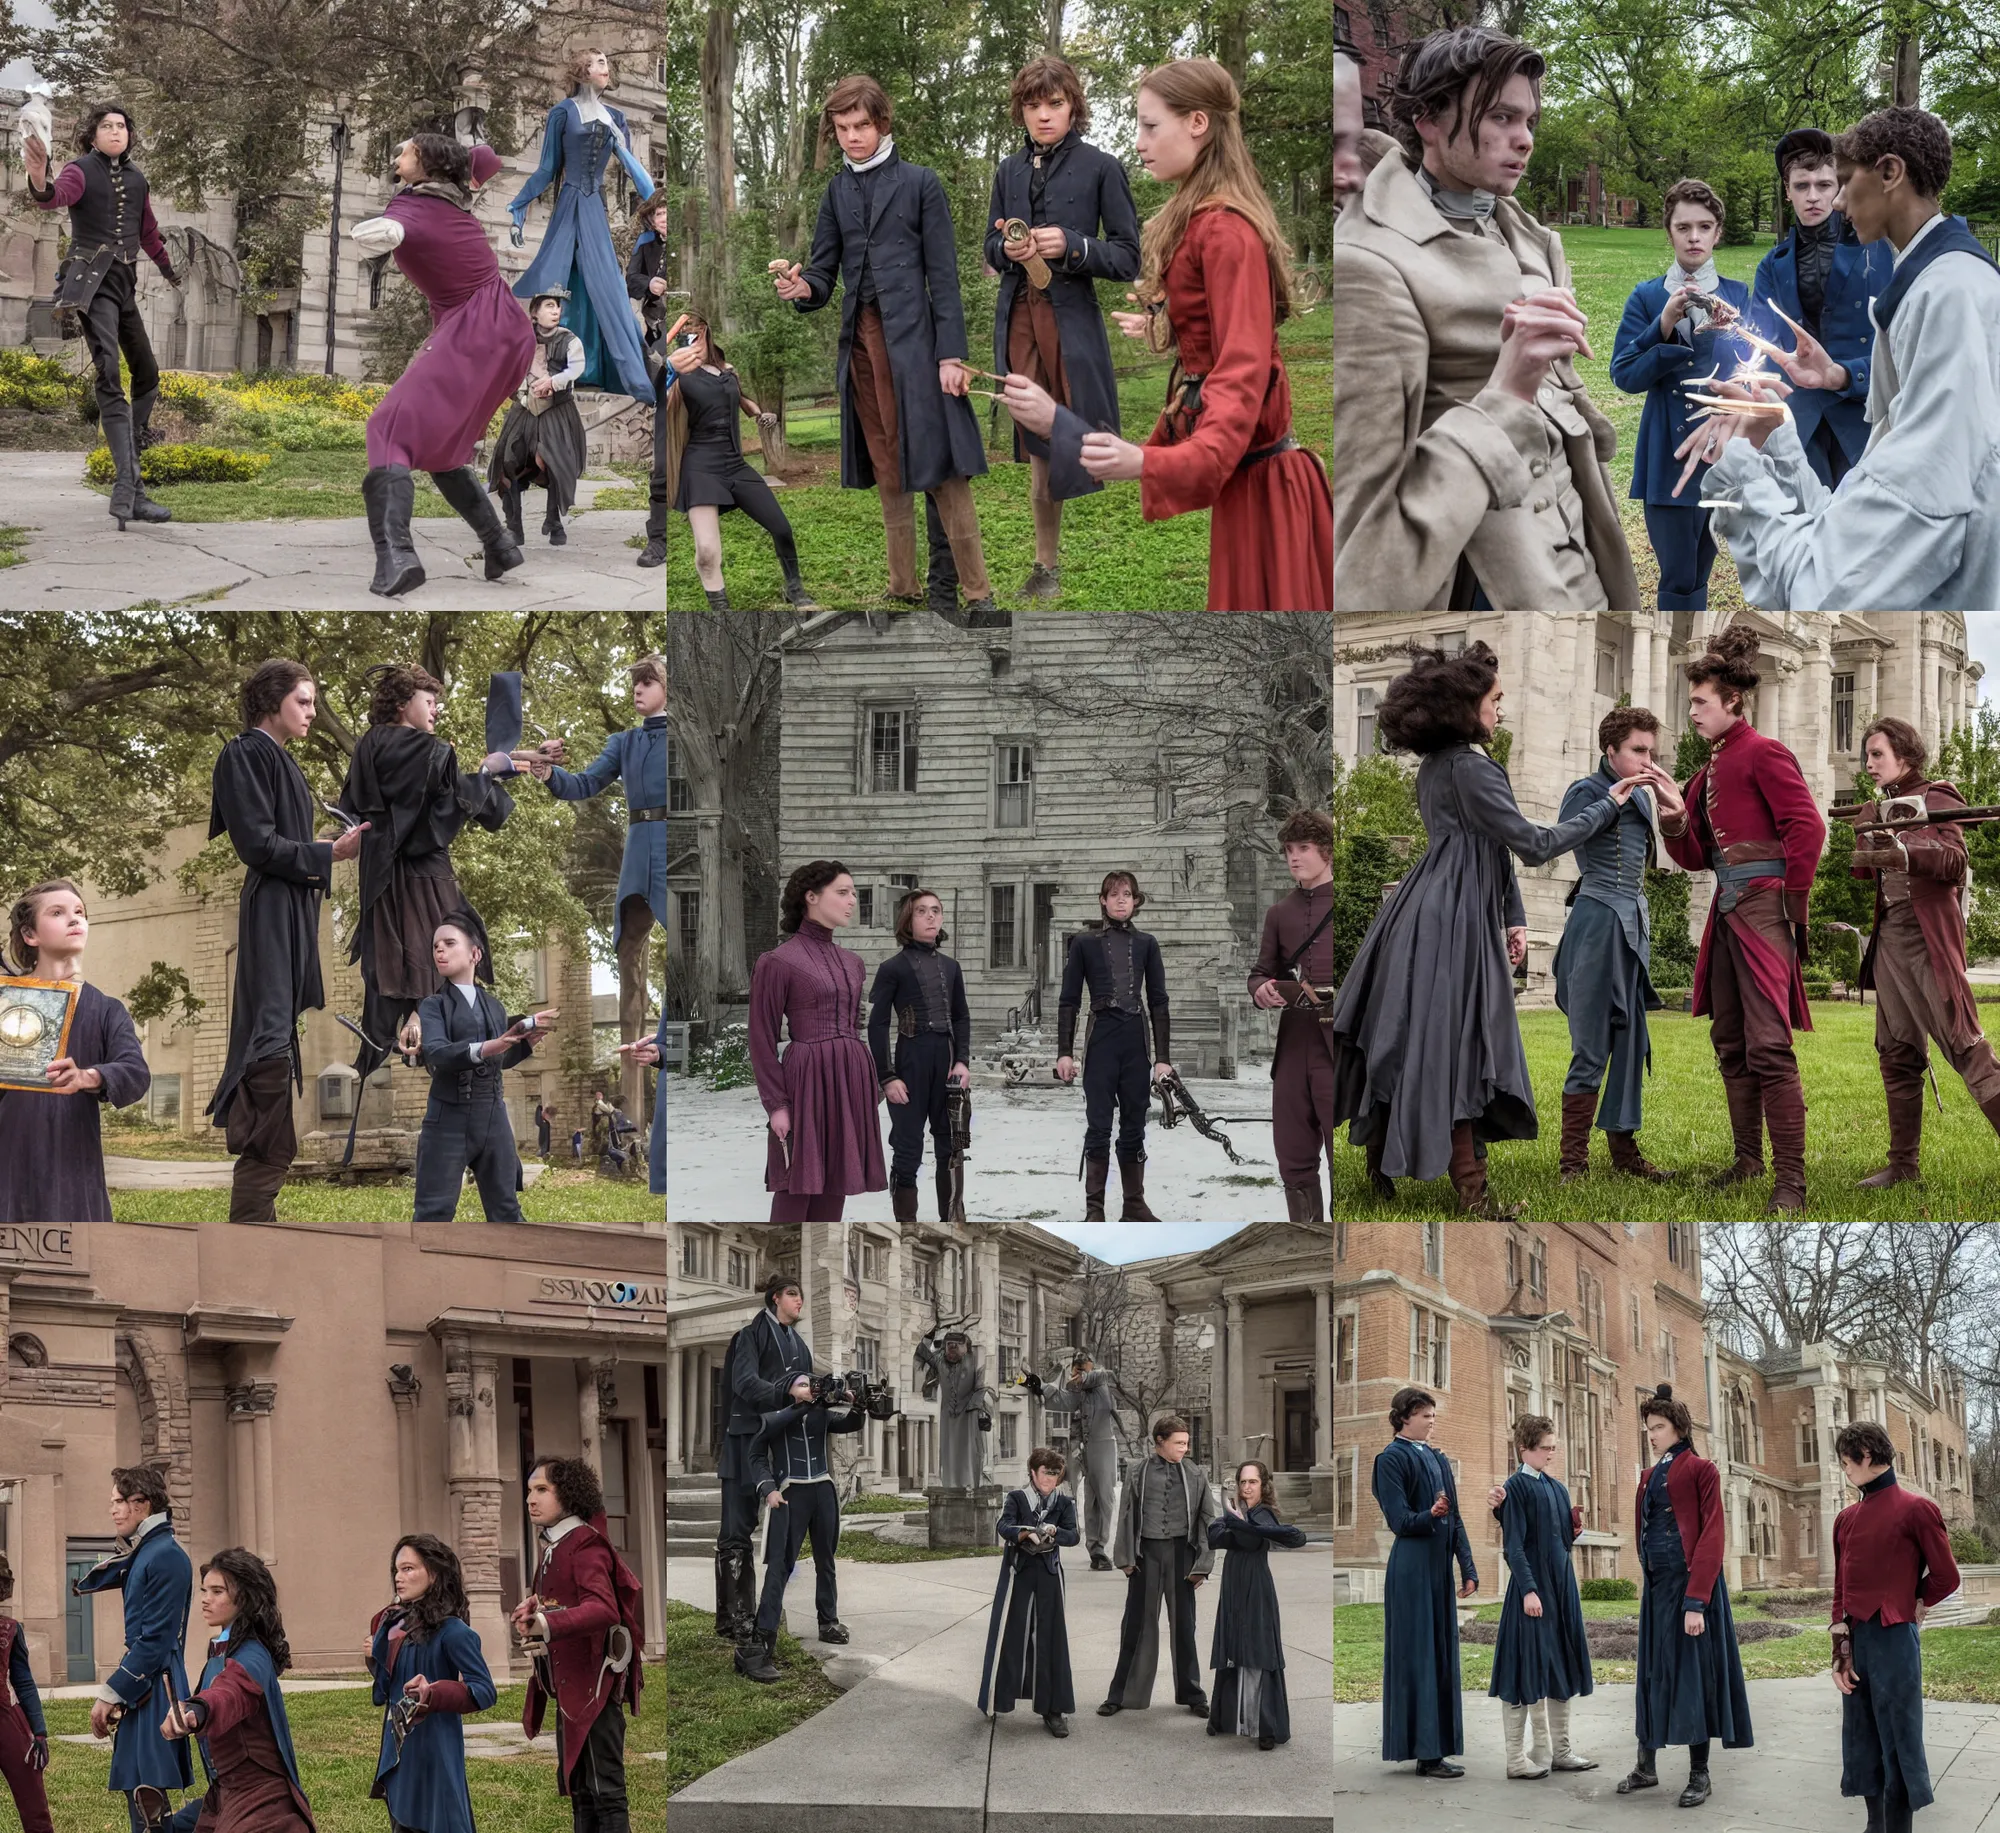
(1982, 637)
(31, 13)
(1121, 1241)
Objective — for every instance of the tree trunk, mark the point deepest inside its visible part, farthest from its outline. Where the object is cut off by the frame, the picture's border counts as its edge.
(1909, 71)
(1052, 33)
(1232, 41)
(718, 86)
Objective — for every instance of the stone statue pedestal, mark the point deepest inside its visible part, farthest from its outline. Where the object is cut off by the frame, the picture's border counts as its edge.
(964, 1517)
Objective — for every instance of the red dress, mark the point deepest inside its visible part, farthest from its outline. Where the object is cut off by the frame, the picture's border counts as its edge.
(1270, 535)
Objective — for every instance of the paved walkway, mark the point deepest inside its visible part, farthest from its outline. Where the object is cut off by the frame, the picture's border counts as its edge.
(78, 561)
(905, 1750)
(1788, 1783)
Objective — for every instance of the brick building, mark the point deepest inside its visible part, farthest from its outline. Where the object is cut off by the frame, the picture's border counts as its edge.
(1579, 1321)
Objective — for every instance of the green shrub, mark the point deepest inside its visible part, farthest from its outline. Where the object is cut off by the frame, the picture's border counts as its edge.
(1969, 1549)
(1819, 983)
(193, 397)
(725, 1062)
(37, 382)
(171, 464)
(1674, 952)
(1607, 1590)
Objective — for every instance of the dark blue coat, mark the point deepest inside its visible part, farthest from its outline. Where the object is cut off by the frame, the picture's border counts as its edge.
(1860, 271)
(426, 1790)
(1421, 1714)
(1545, 1657)
(758, 1368)
(904, 231)
(1087, 188)
(657, 1156)
(1642, 362)
(157, 1580)
(639, 756)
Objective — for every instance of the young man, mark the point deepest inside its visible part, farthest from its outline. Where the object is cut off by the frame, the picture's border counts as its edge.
(261, 800)
(1091, 1394)
(1749, 818)
(1027, 1640)
(1603, 964)
(1293, 975)
(1891, 1562)
(1690, 1680)
(24, 1733)
(925, 992)
(583, 1591)
(468, 1043)
(1916, 951)
(1469, 471)
(1162, 1548)
(156, 1581)
(885, 231)
(110, 226)
(1823, 276)
(1123, 969)
(1917, 520)
(766, 1366)
(1668, 334)
(1418, 1497)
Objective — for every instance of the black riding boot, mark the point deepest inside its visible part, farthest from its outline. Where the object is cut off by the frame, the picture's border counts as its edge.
(466, 494)
(390, 492)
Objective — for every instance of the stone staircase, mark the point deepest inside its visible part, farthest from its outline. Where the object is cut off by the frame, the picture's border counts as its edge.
(694, 1515)
(1958, 1608)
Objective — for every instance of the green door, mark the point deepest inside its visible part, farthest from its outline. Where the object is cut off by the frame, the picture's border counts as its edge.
(79, 1616)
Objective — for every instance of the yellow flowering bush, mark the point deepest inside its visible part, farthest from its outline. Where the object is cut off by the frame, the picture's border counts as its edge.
(172, 464)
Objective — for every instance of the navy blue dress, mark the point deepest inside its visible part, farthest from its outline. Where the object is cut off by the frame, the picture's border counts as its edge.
(1247, 1650)
(1690, 1687)
(1420, 1703)
(1545, 1657)
(425, 1784)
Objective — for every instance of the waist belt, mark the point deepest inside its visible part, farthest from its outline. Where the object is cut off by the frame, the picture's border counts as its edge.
(908, 1024)
(117, 253)
(646, 814)
(1733, 875)
(1257, 454)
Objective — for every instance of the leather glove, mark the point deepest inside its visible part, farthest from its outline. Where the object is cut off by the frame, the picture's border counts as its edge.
(1575, 1518)
(38, 1752)
(1843, 1653)
(1798, 908)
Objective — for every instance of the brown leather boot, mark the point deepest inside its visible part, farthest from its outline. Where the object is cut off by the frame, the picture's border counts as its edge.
(903, 1200)
(1578, 1110)
(1906, 1129)
(1785, 1114)
(1132, 1180)
(1468, 1180)
(1385, 1187)
(1302, 1203)
(1628, 1159)
(1095, 1172)
(1746, 1123)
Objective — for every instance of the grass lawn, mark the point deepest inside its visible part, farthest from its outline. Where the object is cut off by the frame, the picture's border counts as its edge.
(337, 1736)
(1687, 1130)
(556, 1196)
(1112, 559)
(1960, 1662)
(712, 1712)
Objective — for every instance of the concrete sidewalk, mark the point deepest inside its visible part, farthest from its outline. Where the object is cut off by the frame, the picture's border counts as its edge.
(905, 1750)
(78, 561)
(1788, 1783)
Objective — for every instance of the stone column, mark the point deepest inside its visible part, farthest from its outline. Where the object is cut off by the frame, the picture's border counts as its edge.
(596, 1401)
(241, 1404)
(674, 1359)
(1830, 1482)
(1237, 1421)
(404, 1391)
(473, 1482)
(1323, 1375)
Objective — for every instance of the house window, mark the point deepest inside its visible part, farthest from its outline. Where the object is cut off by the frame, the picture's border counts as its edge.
(871, 1259)
(1538, 1269)
(1809, 1536)
(868, 1355)
(613, 1449)
(1607, 671)
(923, 1277)
(739, 1266)
(1010, 1317)
(1434, 1249)
(1680, 1244)
(1634, 1338)
(1430, 1348)
(1002, 932)
(1010, 1435)
(1843, 712)
(1343, 1346)
(1013, 792)
(1666, 1352)
(688, 912)
(1343, 1491)
(1365, 741)
(892, 751)
(691, 1256)
(163, 1101)
(680, 793)
(1808, 1442)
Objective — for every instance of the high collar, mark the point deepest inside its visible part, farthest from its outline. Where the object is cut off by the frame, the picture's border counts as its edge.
(1675, 1449)
(1063, 145)
(551, 1534)
(653, 722)
(881, 156)
(1827, 231)
(929, 948)
(815, 929)
(1906, 784)
(110, 164)
(1464, 205)
(1886, 1480)
(1541, 1476)
(1122, 924)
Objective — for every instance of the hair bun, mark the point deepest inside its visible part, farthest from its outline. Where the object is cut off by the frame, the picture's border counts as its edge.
(1739, 643)
(1479, 652)
(1664, 1391)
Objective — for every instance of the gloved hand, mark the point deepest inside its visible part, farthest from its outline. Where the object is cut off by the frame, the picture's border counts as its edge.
(38, 1752)
(1843, 1659)
(518, 236)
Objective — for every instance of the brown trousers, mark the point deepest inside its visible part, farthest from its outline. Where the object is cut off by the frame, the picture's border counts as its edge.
(261, 1134)
(1751, 1035)
(1301, 1101)
(871, 389)
(1910, 1009)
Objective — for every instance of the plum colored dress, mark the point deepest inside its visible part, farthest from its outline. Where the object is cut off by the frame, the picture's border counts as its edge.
(826, 1077)
(480, 345)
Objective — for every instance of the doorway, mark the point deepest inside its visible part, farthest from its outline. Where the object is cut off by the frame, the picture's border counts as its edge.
(79, 1612)
(1298, 1438)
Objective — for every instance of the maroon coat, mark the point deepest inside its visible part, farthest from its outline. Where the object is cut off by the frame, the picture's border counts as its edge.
(1937, 870)
(1751, 789)
(253, 1791)
(578, 1580)
(826, 1079)
(1286, 924)
(1695, 1489)
(1890, 1552)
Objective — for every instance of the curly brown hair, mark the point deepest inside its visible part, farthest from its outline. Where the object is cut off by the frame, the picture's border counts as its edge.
(1044, 77)
(1661, 1404)
(1435, 704)
(396, 684)
(814, 875)
(1731, 663)
(1916, 137)
(268, 688)
(1904, 739)
(255, 1594)
(1530, 1429)
(1307, 827)
(1865, 1442)
(1621, 722)
(1455, 78)
(1689, 191)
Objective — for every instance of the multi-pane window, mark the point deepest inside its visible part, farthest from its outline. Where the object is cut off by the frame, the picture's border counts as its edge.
(1843, 712)
(1680, 1244)
(739, 1266)
(1538, 1268)
(1808, 1441)
(1343, 1346)
(680, 793)
(864, 906)
(1434, 1249)
(1343, 1491)
(1010, 1435)
(868, 1355)
(1430, 1348)
(1002, 928)
(872, 1256)
(923, 1277)
(691, 1256)
(1607, 671)
(688, 911)
(892, 751)
(1013, 795)
(1364, 723)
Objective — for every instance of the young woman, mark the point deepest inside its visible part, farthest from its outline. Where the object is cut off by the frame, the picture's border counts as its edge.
(1027, 1641)
(52, 1146)
(1542, 1659)
(1418, 1497)
(541, 440)
(480, 347)
(825, 1143)
(429, 1670)
(1690, 1672)
(1082, 227)
(1248, 1652)
(646, 282)
(1427, 1057)
(705, 451)
(238, 1710)
(110, 225)
(1214, 285)
(581, 136)
(24, 1736)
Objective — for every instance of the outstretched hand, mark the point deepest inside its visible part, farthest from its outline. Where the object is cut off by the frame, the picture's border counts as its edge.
(349, 843)
(1706, 440)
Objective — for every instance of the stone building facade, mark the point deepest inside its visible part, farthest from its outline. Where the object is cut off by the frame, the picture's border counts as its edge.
(1826, 675)
(1579, 1322)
